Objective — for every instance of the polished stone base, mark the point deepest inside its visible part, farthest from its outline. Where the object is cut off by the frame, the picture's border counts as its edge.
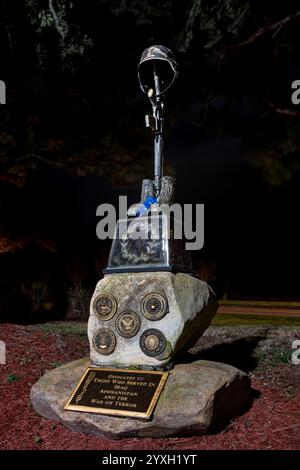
(197, 398)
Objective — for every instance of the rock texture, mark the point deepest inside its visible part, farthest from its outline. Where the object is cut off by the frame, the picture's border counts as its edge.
(197, 398)
(191, 308)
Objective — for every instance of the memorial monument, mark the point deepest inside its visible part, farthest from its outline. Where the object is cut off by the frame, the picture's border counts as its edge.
(147, 310)
(149, 306)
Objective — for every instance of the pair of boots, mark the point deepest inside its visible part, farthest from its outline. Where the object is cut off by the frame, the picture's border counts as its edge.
(149, 200)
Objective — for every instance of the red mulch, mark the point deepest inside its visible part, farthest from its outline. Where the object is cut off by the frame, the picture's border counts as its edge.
(273, 422)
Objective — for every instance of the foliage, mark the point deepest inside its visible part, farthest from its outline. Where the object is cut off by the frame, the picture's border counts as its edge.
(214, 23)
(57, 15)
(74, 106)
(67, 41)
(278, 159)
(78, 302)
(13, 378)
(78, 295)
(38, 293)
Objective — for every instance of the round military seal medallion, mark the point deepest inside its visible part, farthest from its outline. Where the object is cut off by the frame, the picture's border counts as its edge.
(152, 342)
(154, 306)
(128, 324)
(105, 306)
(104, 341)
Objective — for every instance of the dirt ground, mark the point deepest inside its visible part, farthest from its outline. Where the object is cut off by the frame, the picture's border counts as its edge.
(272, 422)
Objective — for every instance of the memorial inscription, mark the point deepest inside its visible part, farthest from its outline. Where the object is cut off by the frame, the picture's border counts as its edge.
(119, 392)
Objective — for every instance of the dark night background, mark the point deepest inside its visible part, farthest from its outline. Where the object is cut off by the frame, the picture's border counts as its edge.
(72, 136)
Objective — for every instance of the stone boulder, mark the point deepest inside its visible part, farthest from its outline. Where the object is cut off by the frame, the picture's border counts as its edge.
(145, 319)
(197, 398)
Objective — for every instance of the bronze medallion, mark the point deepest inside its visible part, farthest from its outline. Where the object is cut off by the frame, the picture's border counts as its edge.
(104, 341)
(152, 342)
(154, 306)
(105, 306)
(128, 324)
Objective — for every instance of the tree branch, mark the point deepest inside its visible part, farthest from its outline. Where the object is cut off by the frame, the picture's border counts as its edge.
(56, 19)
(286, 112)
(266, 29)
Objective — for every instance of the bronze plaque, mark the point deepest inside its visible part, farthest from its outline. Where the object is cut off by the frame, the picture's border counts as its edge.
(104, 341)
(118, 392)
(105, 306)
(128, 324)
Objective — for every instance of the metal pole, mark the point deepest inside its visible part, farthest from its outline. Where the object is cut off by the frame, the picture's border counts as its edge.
(158, 161)
(158, 138)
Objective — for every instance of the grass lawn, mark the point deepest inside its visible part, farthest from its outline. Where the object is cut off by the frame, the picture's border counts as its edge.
(222, 319)
(79, 328)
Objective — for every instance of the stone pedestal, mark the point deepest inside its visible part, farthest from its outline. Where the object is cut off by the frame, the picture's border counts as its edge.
(145, 319)
(197, 398)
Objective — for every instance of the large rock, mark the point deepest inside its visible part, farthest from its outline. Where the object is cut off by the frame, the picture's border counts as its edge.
(197, 397)
(188, 306)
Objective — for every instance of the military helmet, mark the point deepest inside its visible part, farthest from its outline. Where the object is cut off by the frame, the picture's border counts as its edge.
(161, 60)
